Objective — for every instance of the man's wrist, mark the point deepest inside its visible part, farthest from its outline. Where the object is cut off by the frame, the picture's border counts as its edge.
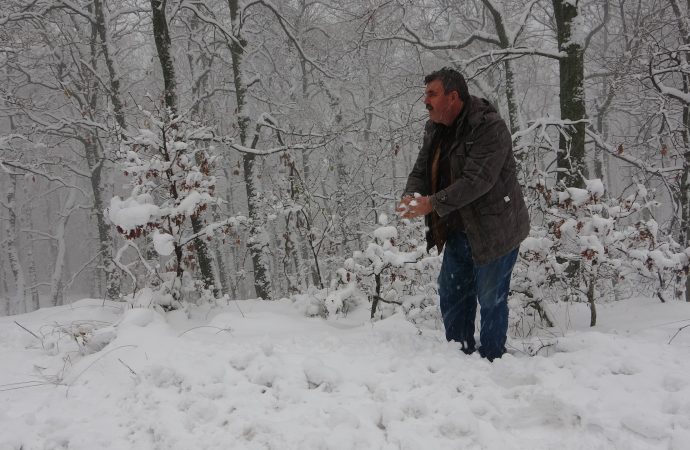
(433, 202)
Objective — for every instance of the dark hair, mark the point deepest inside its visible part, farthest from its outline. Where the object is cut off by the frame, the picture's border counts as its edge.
(452, 81)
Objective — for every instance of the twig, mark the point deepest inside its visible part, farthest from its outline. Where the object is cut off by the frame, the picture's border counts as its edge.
(28, 331)
(25, 384)
(543, 346)
(678, 331)
(379, 298)
(130, 369)
(69, 385)
(229, 330)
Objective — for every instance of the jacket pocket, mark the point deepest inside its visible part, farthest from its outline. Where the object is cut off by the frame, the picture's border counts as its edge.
(495, 206)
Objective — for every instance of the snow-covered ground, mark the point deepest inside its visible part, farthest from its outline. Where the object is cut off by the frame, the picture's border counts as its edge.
(106, 377)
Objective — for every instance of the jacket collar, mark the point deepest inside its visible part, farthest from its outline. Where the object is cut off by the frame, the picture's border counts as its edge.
(459, 123)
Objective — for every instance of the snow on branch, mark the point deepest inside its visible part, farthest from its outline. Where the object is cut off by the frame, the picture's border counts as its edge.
(211, 21)
(599, 27)
(544, 123)
(5, 165)
(210, 229)
(514, 51)
(672, 92)
(476, 35)
(521, 21)
(270, 151)
(285, 25)
(637, 162)
(671, 61)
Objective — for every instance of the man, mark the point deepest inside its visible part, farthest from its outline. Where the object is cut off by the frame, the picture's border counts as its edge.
(464, 182)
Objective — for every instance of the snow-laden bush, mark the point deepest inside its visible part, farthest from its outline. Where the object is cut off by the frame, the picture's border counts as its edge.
(172, 186)
(392, 273)
(585, 247)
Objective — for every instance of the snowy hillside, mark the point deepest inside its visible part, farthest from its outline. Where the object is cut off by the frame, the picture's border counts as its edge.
(104, 378)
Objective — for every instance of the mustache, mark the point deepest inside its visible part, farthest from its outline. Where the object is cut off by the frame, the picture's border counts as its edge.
(428, 107)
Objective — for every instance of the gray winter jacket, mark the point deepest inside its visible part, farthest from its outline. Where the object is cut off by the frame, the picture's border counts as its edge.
(484, 189)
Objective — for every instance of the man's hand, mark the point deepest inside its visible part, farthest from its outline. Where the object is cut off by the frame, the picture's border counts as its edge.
(411, 207)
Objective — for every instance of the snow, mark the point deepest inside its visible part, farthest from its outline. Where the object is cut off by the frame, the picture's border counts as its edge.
(106, 376)
(147, 137)
(132, 212)
(192, 201)
(578, 28)
(164, 243)
(595, 187)
(386, 233)
(575, 195)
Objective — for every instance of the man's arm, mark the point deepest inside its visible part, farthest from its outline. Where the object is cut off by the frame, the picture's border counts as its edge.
(416, 181)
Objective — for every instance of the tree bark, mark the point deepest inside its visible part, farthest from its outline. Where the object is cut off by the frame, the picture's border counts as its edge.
(258, 245)
(17, 304)
(56, 284)
(591, 300)
(35, 303)
(95, 158)
(684, 184)
(114, 78)
(513, 111)
(571, 154)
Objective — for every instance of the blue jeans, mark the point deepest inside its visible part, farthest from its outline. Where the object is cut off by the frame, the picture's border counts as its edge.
(462, 284)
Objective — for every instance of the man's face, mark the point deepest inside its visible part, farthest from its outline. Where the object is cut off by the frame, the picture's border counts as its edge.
(443, 108)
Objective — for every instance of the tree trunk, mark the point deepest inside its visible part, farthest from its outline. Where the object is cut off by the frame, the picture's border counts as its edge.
(590, 299)
(114, 78)
(258, 244)
(684, 185)
(4, 288)
(377, 297)
(112, 275)
(571, 154)
(161, 36)
(31, 260)
(56, 284)
(96, 160)
(513, 111)
(17, 304)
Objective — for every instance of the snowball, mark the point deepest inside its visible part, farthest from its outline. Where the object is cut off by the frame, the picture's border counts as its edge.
(163, 243)
(383, 219)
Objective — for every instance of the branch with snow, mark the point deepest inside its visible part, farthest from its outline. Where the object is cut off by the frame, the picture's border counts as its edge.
(286, 26)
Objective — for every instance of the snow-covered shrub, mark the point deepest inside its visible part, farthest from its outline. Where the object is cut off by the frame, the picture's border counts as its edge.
(172, 187)
(588, 248)
(395, 271)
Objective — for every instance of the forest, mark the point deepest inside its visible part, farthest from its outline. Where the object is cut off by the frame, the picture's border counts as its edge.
(209, 151)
